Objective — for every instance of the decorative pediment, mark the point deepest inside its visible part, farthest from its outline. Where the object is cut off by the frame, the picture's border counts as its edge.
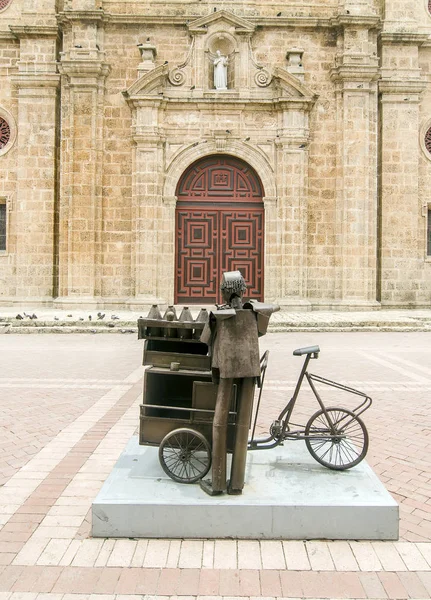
(219, 66)
(276, 85)
(149, 84)
(219, 18)
(292, 86)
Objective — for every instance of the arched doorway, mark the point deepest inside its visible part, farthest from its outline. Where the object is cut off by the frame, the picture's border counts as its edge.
(219, 227)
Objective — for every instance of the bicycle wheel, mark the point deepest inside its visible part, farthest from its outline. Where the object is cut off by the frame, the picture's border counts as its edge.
(340, 447)
(185, 455)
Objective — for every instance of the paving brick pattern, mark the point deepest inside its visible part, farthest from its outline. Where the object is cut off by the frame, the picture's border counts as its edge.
(76, 405)
(45, 386)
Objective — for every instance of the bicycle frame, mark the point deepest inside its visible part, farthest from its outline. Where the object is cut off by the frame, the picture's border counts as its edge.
(286, 414)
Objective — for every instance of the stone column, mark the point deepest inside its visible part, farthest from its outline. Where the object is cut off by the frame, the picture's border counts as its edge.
(272, 253)
(355, 77)
(200, 66)
(149, 263)
(37, 84)
(292, 185)
(402, 244)
(168, 249)
(84, 73)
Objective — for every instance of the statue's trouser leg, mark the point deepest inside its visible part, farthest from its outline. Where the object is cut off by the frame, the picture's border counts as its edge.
(219, 447)
(245, 407)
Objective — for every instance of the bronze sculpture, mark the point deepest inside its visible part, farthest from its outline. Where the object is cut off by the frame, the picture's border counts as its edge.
(232, 333)
(199, 388)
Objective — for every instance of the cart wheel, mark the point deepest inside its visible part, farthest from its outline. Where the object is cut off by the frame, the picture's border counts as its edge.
(340, 446)
(185, 455)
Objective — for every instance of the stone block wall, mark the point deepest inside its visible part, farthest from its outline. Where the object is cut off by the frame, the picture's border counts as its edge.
(9, 55)
(346, 179)
(405, 110)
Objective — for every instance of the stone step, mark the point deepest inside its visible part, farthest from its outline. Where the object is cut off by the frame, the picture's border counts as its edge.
(130, 327)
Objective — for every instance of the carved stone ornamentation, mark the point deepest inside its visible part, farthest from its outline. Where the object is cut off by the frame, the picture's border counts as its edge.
(263, 78)
(148, 56)
(177, 76)
(294, 62)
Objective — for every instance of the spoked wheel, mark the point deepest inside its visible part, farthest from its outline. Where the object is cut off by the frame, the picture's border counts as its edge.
(340, 446)
(185, 455)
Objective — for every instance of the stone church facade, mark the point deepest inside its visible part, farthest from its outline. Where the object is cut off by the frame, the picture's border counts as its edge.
(127, 178)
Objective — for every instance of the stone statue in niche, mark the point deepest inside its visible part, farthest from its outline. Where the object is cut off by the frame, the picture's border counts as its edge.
(220, 71)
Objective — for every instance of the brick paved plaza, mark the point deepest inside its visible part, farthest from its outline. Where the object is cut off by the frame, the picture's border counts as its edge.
(69, 404)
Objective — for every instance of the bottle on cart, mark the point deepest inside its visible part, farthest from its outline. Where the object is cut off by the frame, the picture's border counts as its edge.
(201, 318)
(154, 314)
(186, 315)
(170, 315)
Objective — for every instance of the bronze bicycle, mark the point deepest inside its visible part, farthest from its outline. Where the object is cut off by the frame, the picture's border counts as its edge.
(335, 437)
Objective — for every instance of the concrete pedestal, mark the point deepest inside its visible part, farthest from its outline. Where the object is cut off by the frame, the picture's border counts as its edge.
(287, 495)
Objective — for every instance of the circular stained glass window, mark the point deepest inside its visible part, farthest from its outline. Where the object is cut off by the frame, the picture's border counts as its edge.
(4, 3)
(4, 132)
(428, 140)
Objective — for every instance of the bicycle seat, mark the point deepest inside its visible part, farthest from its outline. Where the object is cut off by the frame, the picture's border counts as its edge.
(308, 350)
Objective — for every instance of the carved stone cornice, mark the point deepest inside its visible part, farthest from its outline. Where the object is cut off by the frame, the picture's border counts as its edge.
(293, 142)
(403, 87)
(148, 139)
(153, 19)
(403, 37)
(7, 36)
(355, 73)
(196, 24)
(353, 21)
(32, 31)
(84, 72)
(88, 16)
(35, 80)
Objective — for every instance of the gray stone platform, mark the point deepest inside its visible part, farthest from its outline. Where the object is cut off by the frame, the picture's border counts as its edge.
(287, 495)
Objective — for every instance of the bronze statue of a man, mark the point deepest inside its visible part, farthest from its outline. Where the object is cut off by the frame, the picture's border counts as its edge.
(232, 333)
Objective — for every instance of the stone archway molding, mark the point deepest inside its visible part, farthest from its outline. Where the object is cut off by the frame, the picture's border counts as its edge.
(188, 155)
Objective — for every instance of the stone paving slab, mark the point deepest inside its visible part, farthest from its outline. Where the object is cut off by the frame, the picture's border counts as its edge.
(46, 551)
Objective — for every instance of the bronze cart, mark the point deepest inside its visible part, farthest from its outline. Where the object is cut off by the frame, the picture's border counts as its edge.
(179, 398)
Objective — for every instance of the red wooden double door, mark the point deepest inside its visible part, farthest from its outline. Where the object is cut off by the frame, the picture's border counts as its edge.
(219, 227)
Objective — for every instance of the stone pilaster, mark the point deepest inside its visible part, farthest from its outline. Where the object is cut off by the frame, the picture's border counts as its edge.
(37, 83)
(272, 255)
(291, 243)
(152, 262)
(401, 222)
(355, 76)
(84, 72)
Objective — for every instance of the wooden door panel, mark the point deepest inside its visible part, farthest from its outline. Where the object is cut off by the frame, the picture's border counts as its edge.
(197, 250)
(221, 178)
(219, 227)
(241, 235)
